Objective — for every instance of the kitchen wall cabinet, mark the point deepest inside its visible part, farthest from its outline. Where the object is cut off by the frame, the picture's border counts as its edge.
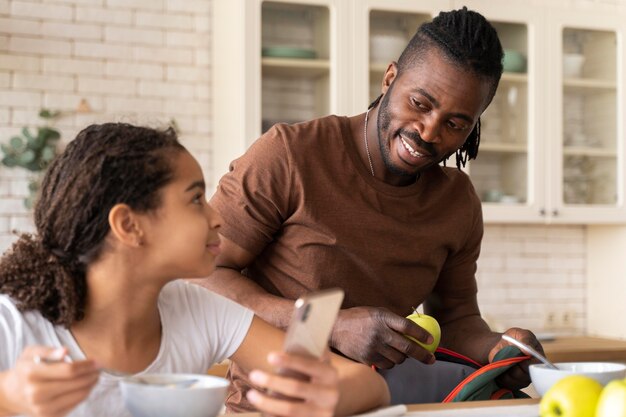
(552, 147)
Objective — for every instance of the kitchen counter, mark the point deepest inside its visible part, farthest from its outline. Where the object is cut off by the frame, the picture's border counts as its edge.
(585, 348)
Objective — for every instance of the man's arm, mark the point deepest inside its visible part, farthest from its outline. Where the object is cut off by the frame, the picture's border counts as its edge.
(463, 330)
(228, 281)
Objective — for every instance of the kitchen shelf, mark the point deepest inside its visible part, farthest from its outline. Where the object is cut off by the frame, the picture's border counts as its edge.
(582, 84)
(294, 67)
(589, 151)
(503, 147)
(514, 77)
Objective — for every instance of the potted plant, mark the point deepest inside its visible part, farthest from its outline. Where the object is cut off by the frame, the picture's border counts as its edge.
(33, 150)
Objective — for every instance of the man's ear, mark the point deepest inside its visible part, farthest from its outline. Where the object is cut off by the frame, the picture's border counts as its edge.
(125, 225)
(390, 75)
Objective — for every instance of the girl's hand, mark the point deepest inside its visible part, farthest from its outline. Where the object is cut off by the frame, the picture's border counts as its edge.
(41, 388)
(317, 397)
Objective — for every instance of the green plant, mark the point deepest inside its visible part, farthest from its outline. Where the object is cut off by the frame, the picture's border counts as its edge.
(33, 151)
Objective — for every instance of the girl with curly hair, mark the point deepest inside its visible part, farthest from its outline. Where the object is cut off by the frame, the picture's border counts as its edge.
(121, 217)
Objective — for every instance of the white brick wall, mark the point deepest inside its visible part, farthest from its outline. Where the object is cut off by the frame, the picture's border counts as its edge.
(147, 61)
(139, 61)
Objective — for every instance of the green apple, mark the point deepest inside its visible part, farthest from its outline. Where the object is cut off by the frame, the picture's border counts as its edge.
(429, 324)
(572, 396)
(612, 402)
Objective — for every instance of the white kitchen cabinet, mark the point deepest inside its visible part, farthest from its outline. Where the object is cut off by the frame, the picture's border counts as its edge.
(275, 61)
(552, 146)
(560, 157)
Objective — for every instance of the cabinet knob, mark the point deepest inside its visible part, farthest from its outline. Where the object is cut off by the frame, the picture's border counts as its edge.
(542, 212)
(555, 212)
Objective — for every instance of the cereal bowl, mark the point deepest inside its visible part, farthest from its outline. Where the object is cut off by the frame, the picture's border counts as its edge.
(544, 377)
(174, 395)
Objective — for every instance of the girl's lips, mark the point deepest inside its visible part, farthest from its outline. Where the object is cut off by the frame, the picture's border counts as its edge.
(214, 248)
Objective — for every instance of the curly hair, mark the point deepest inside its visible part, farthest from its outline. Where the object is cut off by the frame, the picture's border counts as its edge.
(467, 39)
(105, 165)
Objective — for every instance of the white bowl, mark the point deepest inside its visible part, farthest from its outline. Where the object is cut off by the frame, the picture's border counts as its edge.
(151, 398)
(386, 47)
(573, 65)
(603, 372)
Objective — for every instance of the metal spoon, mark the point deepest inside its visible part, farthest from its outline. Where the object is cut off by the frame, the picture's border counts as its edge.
(529, 350)
(186, 383)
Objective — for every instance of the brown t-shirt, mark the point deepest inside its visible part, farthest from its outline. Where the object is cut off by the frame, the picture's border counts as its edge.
(304, 202)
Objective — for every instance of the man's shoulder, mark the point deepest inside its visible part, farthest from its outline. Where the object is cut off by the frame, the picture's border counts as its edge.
(312, 131)
(452, 183)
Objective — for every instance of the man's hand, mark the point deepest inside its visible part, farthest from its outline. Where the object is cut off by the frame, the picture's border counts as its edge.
(375, 336)
(517, 377)
(43, 389)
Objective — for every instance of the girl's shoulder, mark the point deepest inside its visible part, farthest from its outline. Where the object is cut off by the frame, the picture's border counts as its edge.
(183, 297)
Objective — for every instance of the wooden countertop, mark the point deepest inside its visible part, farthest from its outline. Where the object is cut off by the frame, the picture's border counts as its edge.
(459, 407)
(585, 348)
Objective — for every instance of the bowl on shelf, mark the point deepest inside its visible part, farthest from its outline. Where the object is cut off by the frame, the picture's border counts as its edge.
(159, 395)
(386, 46)
(573, 65)
(288, 52)
(513, 61)
(603, 372)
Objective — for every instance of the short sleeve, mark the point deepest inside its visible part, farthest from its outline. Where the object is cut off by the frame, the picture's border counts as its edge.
(222, 323)
(11, 329)
(457, 278)
(254, 196)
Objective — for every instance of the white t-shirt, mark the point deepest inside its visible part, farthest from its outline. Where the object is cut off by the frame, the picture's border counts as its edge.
(199, 328)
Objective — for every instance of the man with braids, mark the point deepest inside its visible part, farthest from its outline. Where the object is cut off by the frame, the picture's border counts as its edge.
(362, 203)
(122, 215)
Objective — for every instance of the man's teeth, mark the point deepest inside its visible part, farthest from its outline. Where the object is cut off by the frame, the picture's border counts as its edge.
(412, 151)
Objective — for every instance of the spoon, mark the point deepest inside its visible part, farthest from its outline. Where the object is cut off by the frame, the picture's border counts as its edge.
(186, 383)
(528, 349)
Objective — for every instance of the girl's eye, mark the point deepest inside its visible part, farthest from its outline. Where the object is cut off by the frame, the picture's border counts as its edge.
(198, 199)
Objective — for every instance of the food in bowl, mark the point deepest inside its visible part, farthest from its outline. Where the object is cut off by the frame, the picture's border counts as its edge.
(543, 377)
(164, 395)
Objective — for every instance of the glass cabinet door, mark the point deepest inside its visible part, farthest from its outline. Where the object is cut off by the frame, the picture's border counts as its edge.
(589, 117)
(295, 49)
(390, 32)
(500, 173)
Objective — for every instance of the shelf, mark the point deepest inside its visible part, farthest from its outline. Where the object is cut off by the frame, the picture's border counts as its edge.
(588, 151)
(503, 147)
(582, 84)
(514, 77)
(379, 67)
(292, 67)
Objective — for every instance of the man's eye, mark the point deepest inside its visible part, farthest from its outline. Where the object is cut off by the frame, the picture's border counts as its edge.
(456, 126)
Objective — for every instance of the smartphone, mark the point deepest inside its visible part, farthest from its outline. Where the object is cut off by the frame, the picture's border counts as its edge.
(312, 321)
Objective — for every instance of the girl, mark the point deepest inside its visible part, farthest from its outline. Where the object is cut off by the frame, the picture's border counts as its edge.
(121, 216)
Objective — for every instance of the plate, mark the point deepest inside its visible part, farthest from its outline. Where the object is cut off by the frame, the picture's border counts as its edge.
(288, 52)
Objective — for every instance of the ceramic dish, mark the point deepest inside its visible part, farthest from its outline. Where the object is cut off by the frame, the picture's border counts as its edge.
(288, 52)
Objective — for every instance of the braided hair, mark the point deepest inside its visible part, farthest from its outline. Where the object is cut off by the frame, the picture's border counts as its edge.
(467, 39)
(105, 165)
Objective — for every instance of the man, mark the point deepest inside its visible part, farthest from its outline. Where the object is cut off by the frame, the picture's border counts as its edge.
(362, 203)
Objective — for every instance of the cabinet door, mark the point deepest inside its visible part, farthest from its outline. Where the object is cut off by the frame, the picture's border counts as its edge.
(508, 173)
(588, 117)
(275, 61)
(382, 29)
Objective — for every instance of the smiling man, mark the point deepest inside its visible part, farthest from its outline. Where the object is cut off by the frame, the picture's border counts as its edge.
(362, 203)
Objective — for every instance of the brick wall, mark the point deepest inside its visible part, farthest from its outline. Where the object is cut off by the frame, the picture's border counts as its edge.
(143, 61)
(147, 61)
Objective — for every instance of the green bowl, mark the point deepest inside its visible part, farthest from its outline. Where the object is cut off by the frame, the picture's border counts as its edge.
(288, 52)
(514, 61)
